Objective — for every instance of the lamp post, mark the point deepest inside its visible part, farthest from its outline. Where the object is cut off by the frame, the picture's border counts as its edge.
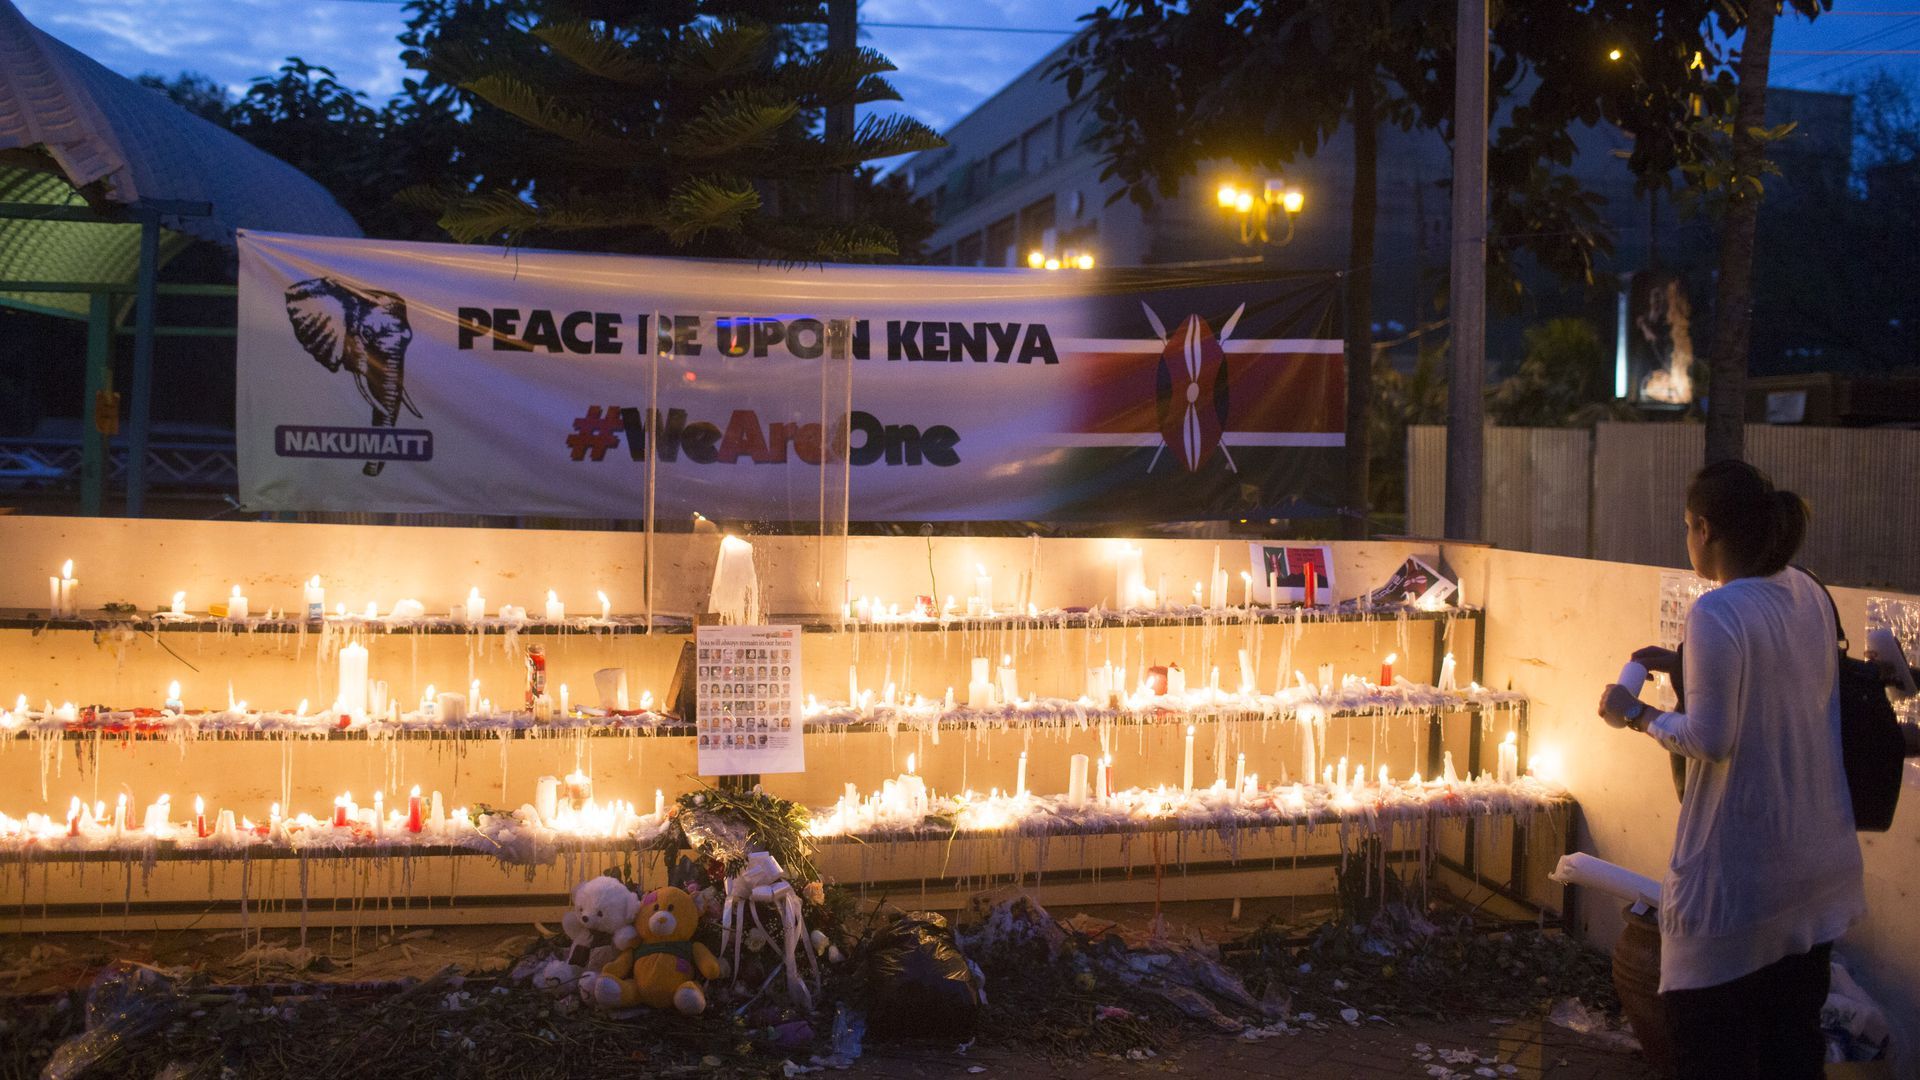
(1256, 210)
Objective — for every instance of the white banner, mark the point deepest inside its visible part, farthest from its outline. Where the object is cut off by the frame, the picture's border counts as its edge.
(381, 376)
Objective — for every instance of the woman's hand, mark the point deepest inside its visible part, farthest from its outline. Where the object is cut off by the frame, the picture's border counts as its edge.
(1616, 703)
(1655, 658)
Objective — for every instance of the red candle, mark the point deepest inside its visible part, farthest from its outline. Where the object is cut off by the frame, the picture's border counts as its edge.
(199, 817)
(415, 821)
(340, 812)
(1311, 585)
(1386, 669)
(73, 817)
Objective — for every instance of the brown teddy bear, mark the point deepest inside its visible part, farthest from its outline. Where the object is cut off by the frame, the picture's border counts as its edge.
(663, 966)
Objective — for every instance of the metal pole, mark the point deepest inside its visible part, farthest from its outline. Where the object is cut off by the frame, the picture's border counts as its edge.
(93, 441)
(1467, 297)
(141, 407)
(843, 37)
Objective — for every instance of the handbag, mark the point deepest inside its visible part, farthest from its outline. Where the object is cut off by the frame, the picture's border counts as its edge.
(1872, 749)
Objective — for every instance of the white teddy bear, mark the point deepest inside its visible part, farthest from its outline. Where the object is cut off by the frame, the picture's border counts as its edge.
(603, 907)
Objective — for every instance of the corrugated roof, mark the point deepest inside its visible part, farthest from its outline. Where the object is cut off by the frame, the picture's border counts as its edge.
(94, 127)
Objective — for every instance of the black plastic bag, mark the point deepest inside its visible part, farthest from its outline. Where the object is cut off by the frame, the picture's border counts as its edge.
(919, 983)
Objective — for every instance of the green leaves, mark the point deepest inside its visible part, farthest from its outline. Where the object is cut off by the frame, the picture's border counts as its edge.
(664, 128)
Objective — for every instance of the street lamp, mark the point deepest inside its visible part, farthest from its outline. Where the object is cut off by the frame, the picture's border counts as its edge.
(1071, 260)
(1256, 209)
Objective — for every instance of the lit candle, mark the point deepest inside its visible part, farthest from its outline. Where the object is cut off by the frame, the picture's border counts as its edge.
(120, 815)
(60, 592)
(379, 813)
(1386, 669)
(579, 789)
(606, 607)
(416, 820)
(74, 810)
(476, 604)
(556, 611)
(1340, 774)
(316, 598)
(179, 606)
(236, 605)
(1186, 781)
(1246, 589)
(436, 812)
(273, 820)
(473, 697)
(1384, 777)
(546, 798)
(565, 706)
(340, 810)
(373, 610)
(1510, 758)
(983, 588)
(1077, 780)
(173, 697)
(199, 817)
(659, 804)
(223, 828)
(1009, 681)
(1446, 673)
(1198, 595)
(1021, 781)
(352, 691)
(1447, 773)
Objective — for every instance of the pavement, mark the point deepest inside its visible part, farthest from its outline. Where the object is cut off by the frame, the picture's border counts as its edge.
(1491, 1047)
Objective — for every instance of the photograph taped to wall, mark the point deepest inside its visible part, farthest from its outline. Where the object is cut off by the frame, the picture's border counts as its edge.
(1678, 590)
(1281, 572)
(749, 718)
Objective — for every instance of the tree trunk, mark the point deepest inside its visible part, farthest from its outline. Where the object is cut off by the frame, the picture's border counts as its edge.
(1359, 306)
(1733, 303)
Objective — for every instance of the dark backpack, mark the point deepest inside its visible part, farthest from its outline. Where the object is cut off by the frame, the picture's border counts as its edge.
(1871, 747)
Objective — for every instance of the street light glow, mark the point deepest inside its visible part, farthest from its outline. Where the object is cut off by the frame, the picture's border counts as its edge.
(1084, 262)
(1228, 195)
(1036, 259)
(1293, 200)
(1613, 54)
(1243, 201)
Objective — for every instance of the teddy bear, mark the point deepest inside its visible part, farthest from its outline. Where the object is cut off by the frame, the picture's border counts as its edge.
(661, 965)
(603, 908)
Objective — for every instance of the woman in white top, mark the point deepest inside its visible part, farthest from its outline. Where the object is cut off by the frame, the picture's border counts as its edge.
(1765, 871)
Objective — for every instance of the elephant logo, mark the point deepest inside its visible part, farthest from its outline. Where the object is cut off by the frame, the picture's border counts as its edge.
(363, 330)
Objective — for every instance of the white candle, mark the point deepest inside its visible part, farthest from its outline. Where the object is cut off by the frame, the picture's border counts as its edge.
(1077, 780)
(1009, 680)
(1186, 779)
(983, 588)
(1105, 778)
(156, 823)
(1447, 681)
(1176, 680)
(1510, 758)
(1239, 775)
(659, 803)
(546, 798)
(316, 599)
(379, 813)
(236, 604)
(1632, 677)
(62, 598)
(1216, 584)
(1447, 773)
(179, 606)
(1247, 679)
(1340, 774)
(352, 691)
(853, 684)
(606, 606)
(1099, 685)
(1309, 747)
(556, 611)
(120, 815)
(173, 697)
(1246, 589)
(979, 689)
(450, 708)
(373, 610)
(579, 788)
(565, 707)
(1021, 783)
(436, 812)
(476, 605)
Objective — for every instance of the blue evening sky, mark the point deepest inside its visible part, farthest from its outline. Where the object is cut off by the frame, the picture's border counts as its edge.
(943, 73)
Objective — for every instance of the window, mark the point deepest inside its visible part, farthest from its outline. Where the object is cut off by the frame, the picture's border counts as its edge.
(1036, 221)
(1004, 162)
(1000, 243)
(1039, 145)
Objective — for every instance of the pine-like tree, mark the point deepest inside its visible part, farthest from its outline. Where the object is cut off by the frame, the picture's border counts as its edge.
(684, 127)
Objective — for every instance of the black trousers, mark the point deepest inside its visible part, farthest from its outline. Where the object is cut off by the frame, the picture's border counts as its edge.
(1760, 1026)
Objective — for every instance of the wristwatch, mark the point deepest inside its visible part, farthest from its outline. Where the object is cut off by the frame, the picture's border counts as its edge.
(1637, 718)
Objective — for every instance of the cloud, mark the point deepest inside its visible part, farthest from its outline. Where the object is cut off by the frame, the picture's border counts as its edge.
(231, 40)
